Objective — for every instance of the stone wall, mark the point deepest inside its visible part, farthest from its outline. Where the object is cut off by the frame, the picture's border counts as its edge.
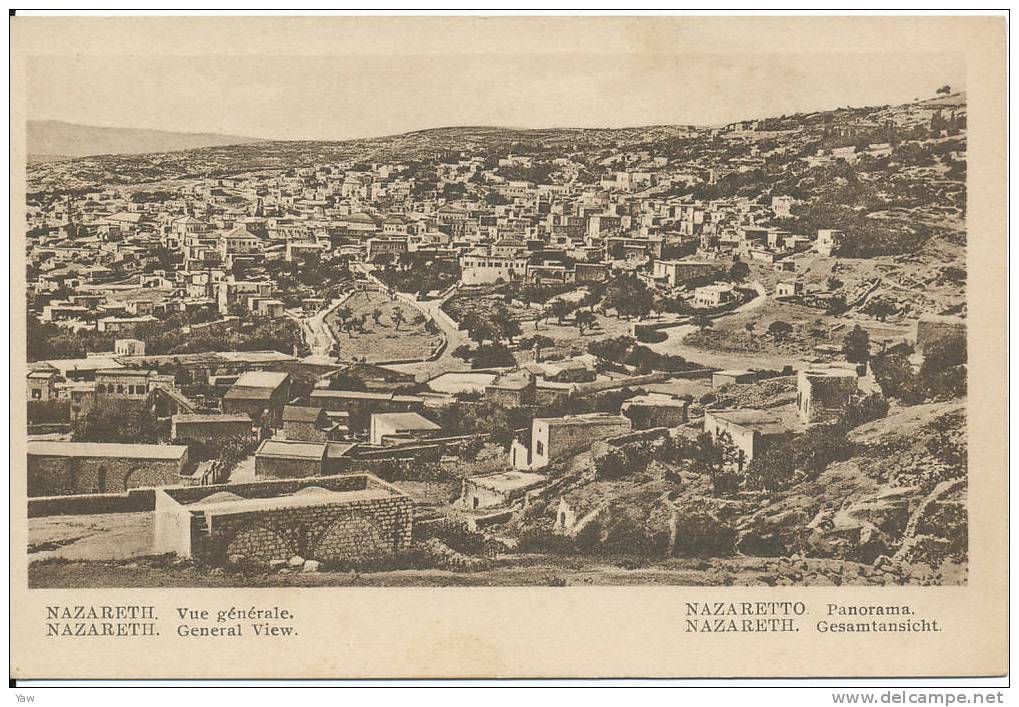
(564, 439)
(55, 476)
(374, 521)
(133, 501)
(358, 530)
(273, 467)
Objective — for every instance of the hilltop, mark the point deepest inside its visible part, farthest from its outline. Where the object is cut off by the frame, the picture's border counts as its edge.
(56, 139)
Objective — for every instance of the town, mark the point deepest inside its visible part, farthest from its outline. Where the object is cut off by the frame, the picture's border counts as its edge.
(731, 354)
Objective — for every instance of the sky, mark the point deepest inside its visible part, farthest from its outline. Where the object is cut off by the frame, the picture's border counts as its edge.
(346, 96)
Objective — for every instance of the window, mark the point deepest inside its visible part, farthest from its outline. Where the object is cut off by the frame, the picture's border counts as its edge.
(539, 448)
(120, 388)
(36, 393)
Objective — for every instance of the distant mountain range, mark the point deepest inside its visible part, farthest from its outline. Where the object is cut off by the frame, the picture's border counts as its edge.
(55, 139)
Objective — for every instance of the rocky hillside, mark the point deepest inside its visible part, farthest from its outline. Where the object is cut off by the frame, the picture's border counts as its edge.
(896, 504)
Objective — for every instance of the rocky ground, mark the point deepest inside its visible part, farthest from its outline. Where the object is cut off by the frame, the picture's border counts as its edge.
(513, 570)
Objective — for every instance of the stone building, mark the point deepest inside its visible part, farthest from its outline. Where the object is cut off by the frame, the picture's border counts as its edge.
(203, 428)
(62, 468)
(750, 432)
(42, 383)
(284, 459)
(128, 384)
(656, 410)
(129, 347)
(308, 424)
(556, 437)
(829, 242)
(259, 394)
(395, 427)
(360, 405)
(824, 394)
(678, 272)
(511, 390)
(497, 490)
(352, 518)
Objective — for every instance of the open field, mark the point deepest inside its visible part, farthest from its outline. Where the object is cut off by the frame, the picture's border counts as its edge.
(382, 341)
(112, 536)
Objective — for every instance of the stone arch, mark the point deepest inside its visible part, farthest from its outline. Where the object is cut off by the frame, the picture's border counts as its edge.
(261, 542)
(352, 537)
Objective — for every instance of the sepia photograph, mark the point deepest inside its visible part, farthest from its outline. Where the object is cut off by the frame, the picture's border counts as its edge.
(340, 315)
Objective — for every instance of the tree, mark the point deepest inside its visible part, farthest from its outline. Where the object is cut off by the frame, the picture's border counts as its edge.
(818, 331)
(560, 309)
(343, 316)
(881, 309)
(398, 317)
(771, 469)
(505, 325)
(479, 328)
(585, 320)
(779, 329)
(945, 90)
(384, 259)
(739, 271)
(536, 343)
(720, 456)
(629, 296)
(856, 346)
(110, 422)
(702, 322)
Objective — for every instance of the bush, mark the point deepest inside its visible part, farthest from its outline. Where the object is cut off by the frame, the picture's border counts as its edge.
(613, 464)
(651, 336)
(455, 533)
(541, 539)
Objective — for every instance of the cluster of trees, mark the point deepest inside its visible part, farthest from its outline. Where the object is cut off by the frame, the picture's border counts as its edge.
(46, 341)
(119, 423)
(865, 237)
(420, 273)
(229, 450)
(785, 460)
(167, 336)
(311, 276)
(493, 355)
(626, 351)
(941, 376)
(629, 296)
(496, 324)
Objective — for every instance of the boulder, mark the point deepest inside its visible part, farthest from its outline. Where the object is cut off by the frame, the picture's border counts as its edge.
(311, 566)
(296, 562)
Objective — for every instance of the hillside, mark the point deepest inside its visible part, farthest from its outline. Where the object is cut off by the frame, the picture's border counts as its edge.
(56, 139)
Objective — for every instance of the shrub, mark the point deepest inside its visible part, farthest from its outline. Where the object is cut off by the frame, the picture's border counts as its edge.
(651, 336)
(541, 539)
(455, 533)
(613, 464)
